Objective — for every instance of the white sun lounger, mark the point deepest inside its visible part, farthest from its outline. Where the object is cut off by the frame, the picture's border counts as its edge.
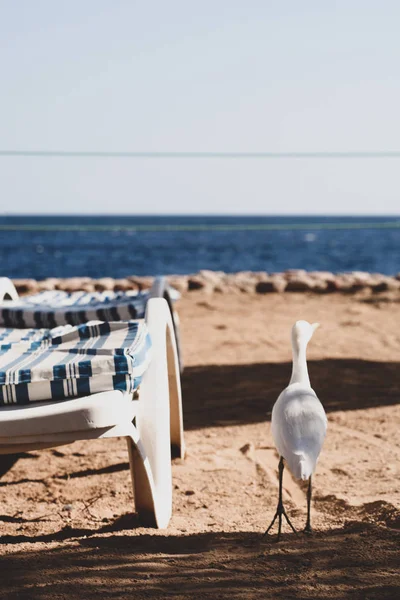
(150, 420)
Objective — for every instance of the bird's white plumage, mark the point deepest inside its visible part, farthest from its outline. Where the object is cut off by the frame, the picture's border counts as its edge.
(298, 428)
(298, 420)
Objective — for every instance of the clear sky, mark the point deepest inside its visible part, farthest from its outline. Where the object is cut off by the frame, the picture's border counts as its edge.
(209, 75)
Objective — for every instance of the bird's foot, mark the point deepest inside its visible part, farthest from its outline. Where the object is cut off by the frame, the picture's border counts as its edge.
(280, 512)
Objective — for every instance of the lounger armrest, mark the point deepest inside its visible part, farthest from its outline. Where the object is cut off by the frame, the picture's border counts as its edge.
(162, 289)
(158, 288)
(7, 290)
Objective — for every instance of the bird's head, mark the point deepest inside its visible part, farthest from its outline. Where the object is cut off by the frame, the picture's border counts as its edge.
(302, 332)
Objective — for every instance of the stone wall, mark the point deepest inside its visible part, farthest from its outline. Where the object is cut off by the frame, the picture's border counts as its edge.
(295, 280)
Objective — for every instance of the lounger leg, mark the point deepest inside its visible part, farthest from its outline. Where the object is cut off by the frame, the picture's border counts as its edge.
(150, 453)
(175, 397)
(142, 486)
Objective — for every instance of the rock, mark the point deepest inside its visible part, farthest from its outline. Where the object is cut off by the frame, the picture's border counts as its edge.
(290, 274)
(75, 284)
(246, 286)
(278, 282)
(321, 275)
(382, 286)
(195, 282)
(246, 281)
(124, 285)
(301, 283)
(48, 285)
(265, 287)
(179, 282)
(361, 278)
(383, 283)
(26, 286)
(227, 278)
(394, 284)
(322, 287)
(212, 277)
(88, 287)
(346, 283)
(104, 284)
(300, 280)
(142, 283)
(274, 283)
(262, 275)
(226, 284)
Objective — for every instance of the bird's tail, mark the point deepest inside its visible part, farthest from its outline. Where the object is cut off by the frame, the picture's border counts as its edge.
(301, 466)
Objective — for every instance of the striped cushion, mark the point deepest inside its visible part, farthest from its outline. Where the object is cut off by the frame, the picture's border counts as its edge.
(50, 309)
(54, 364)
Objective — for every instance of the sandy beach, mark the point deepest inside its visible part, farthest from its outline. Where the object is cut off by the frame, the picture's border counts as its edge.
(67, 527)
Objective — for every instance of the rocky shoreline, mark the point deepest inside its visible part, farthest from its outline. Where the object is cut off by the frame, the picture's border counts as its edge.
(294, 280)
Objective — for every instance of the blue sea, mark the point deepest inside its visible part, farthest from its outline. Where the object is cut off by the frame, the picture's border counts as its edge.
(116, 246)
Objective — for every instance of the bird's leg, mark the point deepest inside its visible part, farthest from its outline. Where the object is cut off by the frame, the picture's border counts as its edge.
(280, 509)
(308, 528)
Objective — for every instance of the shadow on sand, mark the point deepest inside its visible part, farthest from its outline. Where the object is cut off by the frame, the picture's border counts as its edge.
(240, 394)
(359, 561)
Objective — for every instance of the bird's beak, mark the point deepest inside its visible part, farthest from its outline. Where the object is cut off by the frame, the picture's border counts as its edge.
(315, 326)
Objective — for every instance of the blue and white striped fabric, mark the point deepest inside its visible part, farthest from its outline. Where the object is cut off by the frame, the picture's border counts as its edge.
(65, 362)
(54, 308)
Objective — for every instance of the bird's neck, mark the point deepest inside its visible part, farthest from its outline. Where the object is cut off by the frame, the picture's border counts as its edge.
(299, 370)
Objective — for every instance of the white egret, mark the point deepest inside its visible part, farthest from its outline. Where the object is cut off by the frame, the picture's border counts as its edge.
(298, 423)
